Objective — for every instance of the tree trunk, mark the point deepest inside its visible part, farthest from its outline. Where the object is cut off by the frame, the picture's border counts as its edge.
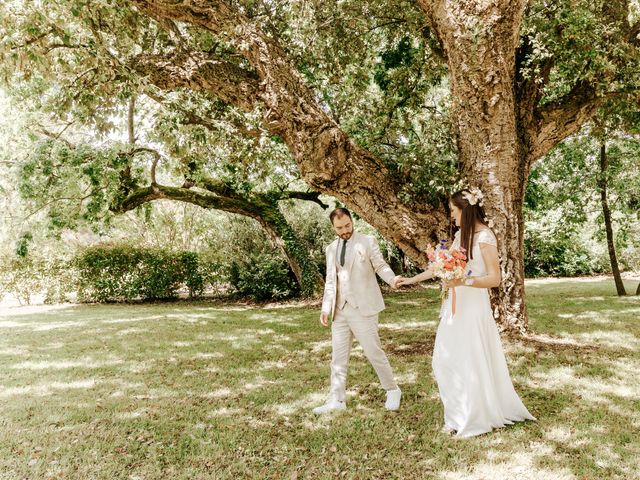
(606, 213)
(297, 255)
(480, 43)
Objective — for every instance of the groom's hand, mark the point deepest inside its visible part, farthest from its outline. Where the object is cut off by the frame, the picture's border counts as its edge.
(324, 319)
(396, 282)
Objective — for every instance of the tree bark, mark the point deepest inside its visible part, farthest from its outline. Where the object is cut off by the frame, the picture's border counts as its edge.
(480, 41)
(606, 213)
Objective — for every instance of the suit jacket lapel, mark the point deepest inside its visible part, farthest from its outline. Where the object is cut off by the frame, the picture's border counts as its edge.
(333, 249)
(352, 256)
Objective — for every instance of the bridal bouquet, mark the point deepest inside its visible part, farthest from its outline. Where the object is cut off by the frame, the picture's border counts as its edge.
(448, 264)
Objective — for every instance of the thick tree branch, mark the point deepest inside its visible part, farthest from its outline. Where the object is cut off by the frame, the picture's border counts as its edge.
(328, 159)
(555, 121)
(550, 124)
(309, 196)
(205, 200)
(290, 105)
(215, 15)
(197, 71)
(216, 186)
(264, 210)
(224, 189)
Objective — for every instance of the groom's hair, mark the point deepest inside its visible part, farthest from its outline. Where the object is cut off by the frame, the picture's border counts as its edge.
(339, 213)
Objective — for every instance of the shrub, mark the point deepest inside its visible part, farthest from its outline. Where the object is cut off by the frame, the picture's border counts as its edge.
(109, 273)
(26, 276)
(21, 277)
(554, 249)
(193, 278)
(263, 277)
(59, 276)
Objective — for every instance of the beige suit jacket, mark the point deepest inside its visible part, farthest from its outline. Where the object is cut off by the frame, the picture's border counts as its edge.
(362, 265)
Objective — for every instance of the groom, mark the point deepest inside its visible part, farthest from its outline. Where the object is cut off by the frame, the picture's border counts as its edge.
(353, 298)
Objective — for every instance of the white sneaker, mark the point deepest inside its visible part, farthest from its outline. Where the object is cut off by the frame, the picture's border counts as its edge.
(393, 399)
(330, 406)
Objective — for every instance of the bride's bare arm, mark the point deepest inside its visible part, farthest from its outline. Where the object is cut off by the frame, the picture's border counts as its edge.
(421, 277)
(492, 264)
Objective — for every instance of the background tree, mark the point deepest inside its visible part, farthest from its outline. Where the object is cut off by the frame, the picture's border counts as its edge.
(618, 123)
(565, 204)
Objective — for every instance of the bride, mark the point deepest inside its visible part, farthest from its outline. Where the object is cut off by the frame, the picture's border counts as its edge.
(468, 361)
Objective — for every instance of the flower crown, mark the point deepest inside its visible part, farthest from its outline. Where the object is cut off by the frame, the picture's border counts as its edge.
(473, 196)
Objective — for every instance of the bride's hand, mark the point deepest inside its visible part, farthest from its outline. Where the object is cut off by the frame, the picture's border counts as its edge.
(402, 281)
(451, 283)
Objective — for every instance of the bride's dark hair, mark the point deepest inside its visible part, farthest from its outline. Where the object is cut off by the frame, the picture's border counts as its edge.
(471, 215)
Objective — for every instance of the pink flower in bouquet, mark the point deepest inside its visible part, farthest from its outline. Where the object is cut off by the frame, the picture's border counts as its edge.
(448, 264)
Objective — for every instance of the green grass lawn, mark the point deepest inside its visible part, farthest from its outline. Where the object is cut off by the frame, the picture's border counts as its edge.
(208, 390)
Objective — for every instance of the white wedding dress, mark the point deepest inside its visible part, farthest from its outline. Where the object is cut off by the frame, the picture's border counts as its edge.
(468, 361)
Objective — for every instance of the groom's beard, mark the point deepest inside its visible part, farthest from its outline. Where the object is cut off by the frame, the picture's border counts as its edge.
(346, 236)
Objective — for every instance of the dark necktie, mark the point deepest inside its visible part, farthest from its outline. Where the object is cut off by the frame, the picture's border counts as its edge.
(342, 252)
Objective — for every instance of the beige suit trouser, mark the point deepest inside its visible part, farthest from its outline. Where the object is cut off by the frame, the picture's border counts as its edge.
(349, 323)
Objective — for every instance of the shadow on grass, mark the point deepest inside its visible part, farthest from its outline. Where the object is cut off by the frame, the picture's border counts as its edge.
(214, 391)
(409, 346)
(548, 343)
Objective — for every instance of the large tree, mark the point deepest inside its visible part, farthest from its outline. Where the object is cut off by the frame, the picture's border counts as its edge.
(502, 119)
(521, 78)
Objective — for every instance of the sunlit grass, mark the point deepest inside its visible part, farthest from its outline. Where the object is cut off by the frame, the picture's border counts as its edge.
(207, 390)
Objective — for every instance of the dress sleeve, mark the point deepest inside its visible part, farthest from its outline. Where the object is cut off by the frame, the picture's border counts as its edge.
(488, 237)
